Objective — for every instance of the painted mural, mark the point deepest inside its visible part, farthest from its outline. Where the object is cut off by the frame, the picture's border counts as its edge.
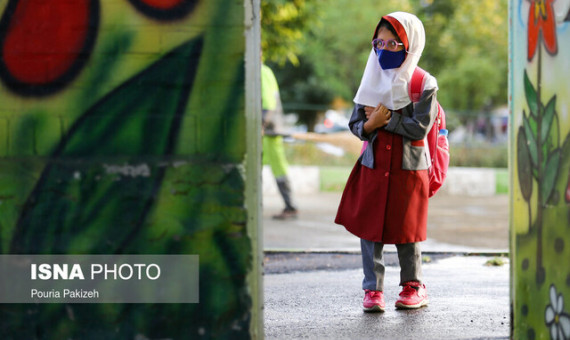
(122, 131)
(540, 168)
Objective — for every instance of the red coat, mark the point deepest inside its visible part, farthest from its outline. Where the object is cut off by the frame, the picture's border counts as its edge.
(386, 204)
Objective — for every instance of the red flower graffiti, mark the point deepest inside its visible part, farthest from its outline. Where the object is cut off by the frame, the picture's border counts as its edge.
(163, 4)
(541, 159)
(165, 9)
(44, 44)
(541, 20)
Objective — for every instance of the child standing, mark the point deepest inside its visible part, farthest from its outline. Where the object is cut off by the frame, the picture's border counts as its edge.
(385, 200)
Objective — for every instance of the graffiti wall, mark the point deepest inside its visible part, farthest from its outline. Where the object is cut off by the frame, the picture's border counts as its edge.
(540, 168)
(123, 131)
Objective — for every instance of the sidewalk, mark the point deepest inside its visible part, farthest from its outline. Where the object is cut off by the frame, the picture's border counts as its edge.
(455, 224)
(467, 301)
(320, 297)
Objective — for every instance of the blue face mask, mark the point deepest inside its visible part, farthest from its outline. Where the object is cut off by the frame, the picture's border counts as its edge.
(389, 59)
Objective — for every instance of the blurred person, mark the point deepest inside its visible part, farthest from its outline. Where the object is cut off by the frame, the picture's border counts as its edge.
(273, 149)
(385, 200)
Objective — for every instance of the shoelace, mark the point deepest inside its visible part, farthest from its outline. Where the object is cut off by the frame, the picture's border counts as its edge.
(408, 290)
(374, 293)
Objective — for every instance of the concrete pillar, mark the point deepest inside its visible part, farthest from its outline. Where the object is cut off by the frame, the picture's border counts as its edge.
(132, 127)
(540, 168)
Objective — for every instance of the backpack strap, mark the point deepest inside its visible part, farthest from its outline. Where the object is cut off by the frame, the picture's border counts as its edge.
(416, 84)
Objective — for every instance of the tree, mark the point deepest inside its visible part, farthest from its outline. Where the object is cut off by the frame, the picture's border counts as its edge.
(339, 47)
(302, 91)
(466, 50)
(470, 54)
(330, 62)
(283, 24)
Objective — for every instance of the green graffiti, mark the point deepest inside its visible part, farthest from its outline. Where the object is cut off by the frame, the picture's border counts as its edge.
(147, 160)
(113, 185)
(540, 249)
(138, 119)
(539, 153)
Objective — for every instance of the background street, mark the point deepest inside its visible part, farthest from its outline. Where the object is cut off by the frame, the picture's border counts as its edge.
(312, 282)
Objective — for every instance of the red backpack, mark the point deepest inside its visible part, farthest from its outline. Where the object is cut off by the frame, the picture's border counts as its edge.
(437, 143)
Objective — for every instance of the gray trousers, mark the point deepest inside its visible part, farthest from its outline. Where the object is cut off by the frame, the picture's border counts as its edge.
(409, 255)
(285, 190)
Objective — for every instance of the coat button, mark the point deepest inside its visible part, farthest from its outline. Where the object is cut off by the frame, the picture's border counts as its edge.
(388, 147)
(387, 174)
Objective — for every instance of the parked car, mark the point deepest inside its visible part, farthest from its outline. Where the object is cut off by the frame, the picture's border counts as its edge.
(333, 121)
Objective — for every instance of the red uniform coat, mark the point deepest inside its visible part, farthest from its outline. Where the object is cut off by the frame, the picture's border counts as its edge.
(386, 204)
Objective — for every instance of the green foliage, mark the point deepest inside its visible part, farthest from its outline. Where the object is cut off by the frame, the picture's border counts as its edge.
(466, 48)
(302, 91)
(333, 178)
(338, 48)
(309, 154)
(283, 23)
(462, 88)
(482, 156)
(333, 42)
(285, 26)
(478, 156)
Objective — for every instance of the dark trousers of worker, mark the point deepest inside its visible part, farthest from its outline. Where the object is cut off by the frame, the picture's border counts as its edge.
(285, 190)
(409, 255)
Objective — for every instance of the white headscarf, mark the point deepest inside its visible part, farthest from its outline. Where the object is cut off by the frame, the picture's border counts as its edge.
(390, 87)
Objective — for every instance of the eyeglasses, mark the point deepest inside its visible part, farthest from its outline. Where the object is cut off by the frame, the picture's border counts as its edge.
(390, 45)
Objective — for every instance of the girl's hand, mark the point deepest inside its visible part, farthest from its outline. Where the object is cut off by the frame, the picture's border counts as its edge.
(368, 111)
(377, 118)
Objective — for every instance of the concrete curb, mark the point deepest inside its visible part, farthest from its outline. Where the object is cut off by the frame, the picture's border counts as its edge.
(484, 252)
(473, 182)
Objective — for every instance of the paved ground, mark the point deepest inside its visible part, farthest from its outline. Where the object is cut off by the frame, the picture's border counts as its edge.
(468, 300)
(313, 274)
(455, 223)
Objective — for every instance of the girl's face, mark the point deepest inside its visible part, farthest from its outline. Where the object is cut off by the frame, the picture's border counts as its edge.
(386, 35)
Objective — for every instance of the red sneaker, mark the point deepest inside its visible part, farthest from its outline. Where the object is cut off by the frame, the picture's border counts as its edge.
(413, 295)
(373, 301)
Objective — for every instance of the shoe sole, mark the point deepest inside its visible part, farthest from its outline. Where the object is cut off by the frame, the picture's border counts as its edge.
(400, 305)
(373, 309)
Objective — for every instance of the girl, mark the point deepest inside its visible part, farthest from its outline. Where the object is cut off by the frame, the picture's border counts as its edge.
(385, 200)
